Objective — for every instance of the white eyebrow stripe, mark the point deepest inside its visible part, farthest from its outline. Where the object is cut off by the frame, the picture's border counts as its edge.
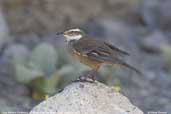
(76, 37)
(74, 30)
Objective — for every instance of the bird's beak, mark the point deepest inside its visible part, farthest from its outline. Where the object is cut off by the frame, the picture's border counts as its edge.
(59, 33)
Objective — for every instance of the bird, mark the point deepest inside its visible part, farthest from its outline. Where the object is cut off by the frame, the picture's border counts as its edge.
(93, 52)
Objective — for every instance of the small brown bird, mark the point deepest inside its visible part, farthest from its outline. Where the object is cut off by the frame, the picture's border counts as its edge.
(93, 52)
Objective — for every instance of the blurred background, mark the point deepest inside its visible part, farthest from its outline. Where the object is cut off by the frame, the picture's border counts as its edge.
(34, 63)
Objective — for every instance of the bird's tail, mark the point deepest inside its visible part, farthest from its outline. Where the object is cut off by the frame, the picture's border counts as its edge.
(130, 67)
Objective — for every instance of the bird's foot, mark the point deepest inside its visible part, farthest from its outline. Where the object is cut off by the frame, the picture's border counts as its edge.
(84, 79)
(92, 74)
(87, 77)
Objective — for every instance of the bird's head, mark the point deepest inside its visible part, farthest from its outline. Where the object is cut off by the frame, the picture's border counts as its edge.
(73, 34)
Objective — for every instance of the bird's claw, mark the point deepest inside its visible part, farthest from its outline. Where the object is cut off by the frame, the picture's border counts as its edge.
(84, 79)
(88, 77)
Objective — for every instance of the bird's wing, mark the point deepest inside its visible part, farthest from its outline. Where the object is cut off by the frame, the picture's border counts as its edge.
(95, 49)
(100, 55)
(115, 49)
(101, 51)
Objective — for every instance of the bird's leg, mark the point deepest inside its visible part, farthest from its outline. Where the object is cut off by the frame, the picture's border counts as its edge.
(92, 74)
(89, 76)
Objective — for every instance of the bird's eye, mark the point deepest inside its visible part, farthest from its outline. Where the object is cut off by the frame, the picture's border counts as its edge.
(73, 33)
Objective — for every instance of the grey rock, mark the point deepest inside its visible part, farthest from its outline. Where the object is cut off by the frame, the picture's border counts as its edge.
(165, 16)
(154, 41)
(150, 12)
(87, 98)
(156, 14)
(17, 51)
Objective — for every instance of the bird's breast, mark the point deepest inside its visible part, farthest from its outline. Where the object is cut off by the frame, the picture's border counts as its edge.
(85, 59)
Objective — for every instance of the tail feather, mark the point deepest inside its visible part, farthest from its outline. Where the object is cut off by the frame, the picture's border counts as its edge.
(130, 67)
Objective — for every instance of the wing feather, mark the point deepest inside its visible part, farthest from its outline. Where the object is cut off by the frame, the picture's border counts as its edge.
(117, 49)
(98, 49)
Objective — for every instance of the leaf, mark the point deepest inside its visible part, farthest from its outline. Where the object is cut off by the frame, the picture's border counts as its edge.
(25, 75)
(63, 57)
(51, 83)
(45, 85)
(38, 88)
(38, 84)
(66, 70)
(44, 57)
(117, 88)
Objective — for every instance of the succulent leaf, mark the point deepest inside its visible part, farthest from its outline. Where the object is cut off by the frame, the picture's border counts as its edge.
(44, 57)
(25, 75)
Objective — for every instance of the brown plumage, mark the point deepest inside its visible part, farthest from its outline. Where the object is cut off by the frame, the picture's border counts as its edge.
(95, 52)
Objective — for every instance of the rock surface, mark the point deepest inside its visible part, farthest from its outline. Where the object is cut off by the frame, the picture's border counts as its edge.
(87, 98)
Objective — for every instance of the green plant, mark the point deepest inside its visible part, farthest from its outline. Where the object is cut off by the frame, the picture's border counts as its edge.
(37, 68)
